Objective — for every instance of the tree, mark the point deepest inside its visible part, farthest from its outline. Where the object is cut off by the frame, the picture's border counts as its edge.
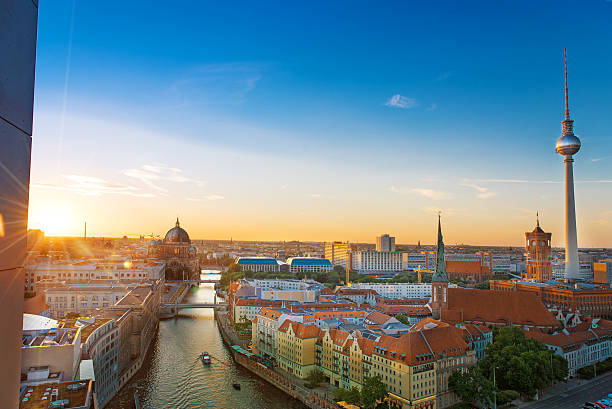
(341, 271)
(314, 378)
(373, 390)
(234, 267)
(521, 364)
(351, 396)
(471, 386)
(482, 286)
(402, 318)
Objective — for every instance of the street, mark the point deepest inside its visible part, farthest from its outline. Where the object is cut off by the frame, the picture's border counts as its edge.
(575, 398)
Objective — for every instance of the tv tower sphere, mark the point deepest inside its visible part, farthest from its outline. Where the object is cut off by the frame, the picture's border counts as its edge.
(568, 144)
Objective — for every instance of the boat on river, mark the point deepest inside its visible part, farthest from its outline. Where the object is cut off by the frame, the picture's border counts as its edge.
(205, 358)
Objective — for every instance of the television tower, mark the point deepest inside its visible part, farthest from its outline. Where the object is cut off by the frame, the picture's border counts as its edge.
(567, 145)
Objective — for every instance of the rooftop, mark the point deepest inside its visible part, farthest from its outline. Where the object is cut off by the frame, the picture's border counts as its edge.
(77, 393)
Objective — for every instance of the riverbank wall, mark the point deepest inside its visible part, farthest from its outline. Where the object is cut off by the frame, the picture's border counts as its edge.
(276, 378)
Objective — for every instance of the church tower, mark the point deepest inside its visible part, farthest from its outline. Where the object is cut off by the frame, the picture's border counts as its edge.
(539, 265)
(439, 282)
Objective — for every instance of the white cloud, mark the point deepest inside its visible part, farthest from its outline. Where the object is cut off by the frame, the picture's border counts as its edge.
(394, 189)
(432, 107)
(474, 186)
(431, 193)
(486, 195)
(315, 195)
(214, 197)
(93, 186)
(151, 175)
(208, 197)
(399, 101)
(483, 192)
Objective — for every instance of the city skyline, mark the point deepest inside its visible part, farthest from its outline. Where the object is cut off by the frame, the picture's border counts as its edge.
(276, 145)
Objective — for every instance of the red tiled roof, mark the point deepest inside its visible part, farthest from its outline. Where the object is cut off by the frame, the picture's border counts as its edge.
(257, 302)
(571, 340)
(376, 317)
(268, 313)
(407, 310)
(520, 308)
(428, 324)
(338, 336)
(417, 347)
(366, 345)
(300, 330)
(466, 267)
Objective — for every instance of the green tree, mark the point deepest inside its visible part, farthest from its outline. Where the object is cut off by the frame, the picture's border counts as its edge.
(471, 386)
(402, 318)
(482, 286)
(314, 378)
(373, 390)
(234, 267)
(520, 363)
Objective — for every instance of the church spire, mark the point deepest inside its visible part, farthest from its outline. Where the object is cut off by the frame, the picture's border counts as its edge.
(177, 222)
(538, 218)
(440, 274)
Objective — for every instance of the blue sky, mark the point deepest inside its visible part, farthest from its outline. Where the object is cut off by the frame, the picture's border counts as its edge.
(311, 117)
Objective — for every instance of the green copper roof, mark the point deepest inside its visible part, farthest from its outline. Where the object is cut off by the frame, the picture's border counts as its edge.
(440, 274)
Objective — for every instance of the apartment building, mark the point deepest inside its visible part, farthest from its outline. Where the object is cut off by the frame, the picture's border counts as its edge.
(83, 298)
(579, 348)
(91, 271)
(339, 253)
(372, 261)
(265, 327)
(296, 347)
(398, 290)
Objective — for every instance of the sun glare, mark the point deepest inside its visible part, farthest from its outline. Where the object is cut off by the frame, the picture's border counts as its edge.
(52, 221)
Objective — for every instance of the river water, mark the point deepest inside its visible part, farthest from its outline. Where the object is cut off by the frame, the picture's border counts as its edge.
(173, 376)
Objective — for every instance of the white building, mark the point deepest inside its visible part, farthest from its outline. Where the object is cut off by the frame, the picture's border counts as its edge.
(265, 328)
(280, 283)
(82, 298)
(372, 261)
(398, 290)
(580, 349)
(87, 271)
(585, 271)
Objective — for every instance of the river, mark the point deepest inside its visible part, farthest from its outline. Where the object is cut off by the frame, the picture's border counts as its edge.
(173, 377)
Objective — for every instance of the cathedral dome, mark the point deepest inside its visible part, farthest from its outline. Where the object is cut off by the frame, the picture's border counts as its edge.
(177, 235)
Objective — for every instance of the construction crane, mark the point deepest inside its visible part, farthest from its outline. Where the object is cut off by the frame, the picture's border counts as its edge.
(420, 270)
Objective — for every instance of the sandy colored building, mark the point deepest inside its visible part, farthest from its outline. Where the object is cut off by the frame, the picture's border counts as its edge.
(296, 347)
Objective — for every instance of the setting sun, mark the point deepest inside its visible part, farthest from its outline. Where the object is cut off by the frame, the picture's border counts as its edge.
(52, 220)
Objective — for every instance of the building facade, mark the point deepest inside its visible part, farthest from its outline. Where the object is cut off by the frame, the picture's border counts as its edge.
(309, 265)
(589, 300)
(339, 253)
(385, 243)
(102, 271)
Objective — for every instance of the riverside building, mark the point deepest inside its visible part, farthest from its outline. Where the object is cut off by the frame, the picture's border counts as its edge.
(102, 271)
